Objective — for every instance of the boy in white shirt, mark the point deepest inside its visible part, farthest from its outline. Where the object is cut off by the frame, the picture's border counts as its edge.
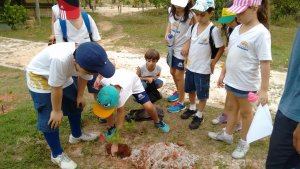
(199, 63)
(76, 30)
(49, 79)
(115, 92)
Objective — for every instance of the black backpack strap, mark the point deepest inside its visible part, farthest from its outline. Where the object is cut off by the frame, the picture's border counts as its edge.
(212, 43)
(192, 28)
(211, 40)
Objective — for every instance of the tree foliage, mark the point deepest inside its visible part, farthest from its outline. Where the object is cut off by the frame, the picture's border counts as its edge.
(13, 14)
(283, 8)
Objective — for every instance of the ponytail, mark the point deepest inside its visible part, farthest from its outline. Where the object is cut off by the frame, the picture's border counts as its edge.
(263, 13)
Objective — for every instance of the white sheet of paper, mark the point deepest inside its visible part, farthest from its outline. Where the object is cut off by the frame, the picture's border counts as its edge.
(261, 125)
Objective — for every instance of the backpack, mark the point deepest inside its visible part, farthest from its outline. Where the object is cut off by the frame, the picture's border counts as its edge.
(213, 48)
(153, 93)
(86, 21)
(142, 115)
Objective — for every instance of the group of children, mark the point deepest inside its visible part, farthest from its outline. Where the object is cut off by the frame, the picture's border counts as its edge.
(198, 45)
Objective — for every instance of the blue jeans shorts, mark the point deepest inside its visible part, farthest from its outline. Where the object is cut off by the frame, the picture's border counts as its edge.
(43, 106)
(90, 83)
(177, 63)
(158, 83)
(197, 82)
(141, 97)
(237, 92)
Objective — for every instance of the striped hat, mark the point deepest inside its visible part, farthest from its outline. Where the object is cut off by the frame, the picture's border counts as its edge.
(69, 9)
(240, 6)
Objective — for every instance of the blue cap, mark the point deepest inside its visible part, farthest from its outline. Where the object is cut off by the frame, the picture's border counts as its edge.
(93, 58)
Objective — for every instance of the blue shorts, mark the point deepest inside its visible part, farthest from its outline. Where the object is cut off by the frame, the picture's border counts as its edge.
(177, 63)
(237, 92)
(43, 106)
(158, 83)
(197, 82)
(90, 83)
(141, 97)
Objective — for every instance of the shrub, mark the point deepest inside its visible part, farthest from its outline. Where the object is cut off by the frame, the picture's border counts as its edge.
(13, 14)
(281, 10)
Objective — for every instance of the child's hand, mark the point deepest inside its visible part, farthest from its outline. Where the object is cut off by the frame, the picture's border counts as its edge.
(185, 50)
(150, 79)
(220, 82)
(263, 97)
(97, 84)
(114, 149)
(56, 118)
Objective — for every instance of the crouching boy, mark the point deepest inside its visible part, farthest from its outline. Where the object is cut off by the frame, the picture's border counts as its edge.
(114, 93)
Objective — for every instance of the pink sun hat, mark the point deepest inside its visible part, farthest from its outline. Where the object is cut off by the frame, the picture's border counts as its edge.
(240, 6)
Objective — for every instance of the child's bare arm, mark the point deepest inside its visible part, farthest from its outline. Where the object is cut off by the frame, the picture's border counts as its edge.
(120, 117)
(138, 71)
(185, 48)
(265, 77)
(216, 59)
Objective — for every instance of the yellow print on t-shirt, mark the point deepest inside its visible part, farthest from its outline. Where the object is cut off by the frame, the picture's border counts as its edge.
(38, 82)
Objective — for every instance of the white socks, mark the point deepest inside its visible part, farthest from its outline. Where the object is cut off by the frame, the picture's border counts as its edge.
(199, 114)
(192, 106)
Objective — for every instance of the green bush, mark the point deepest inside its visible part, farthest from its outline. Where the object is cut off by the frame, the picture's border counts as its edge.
(285, 9)
(13, 14)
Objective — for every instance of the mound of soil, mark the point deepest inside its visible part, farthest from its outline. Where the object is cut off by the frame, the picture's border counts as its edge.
(162, 155)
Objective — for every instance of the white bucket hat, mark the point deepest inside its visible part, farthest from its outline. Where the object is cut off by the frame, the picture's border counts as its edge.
(203, 5)
(181, 3)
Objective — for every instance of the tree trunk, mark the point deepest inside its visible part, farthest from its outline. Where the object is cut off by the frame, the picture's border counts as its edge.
(37, 12)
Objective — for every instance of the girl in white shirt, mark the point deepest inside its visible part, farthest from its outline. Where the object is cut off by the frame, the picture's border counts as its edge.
(247, 68)
(180, 18)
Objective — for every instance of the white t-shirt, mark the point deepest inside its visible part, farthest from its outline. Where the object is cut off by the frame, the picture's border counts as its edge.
(179, 29)
(245, 51)
(77, 35)
(199, 58)
(130, 84)
(53, 66)
(146, 73)
(55, 11)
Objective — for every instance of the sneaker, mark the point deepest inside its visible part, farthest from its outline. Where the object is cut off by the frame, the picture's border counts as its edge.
(241, 150)
(196, 122)
(221, 119)
(63, 161)
(177, 107)
(220, 136)
(110, 132)
(188, 113)
(84, 137)
(173, 97)
(162, 126)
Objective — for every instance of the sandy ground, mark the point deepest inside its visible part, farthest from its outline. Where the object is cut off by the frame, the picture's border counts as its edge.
(18, 53)
(108, 10)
